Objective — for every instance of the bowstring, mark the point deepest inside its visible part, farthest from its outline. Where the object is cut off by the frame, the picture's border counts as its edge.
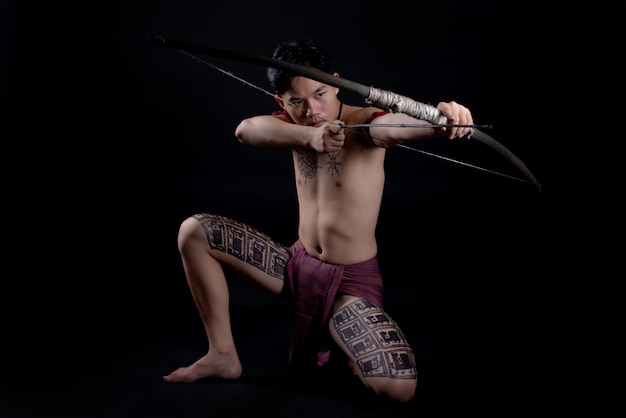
(228, 73)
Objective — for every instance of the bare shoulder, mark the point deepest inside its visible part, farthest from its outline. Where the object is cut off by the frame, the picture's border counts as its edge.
(360, 136)
(358, 114)
(282, 116)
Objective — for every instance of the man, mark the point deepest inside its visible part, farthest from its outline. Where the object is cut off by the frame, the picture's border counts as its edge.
(331, 274)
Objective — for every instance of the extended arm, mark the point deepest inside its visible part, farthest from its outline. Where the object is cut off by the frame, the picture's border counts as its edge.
(389, 136)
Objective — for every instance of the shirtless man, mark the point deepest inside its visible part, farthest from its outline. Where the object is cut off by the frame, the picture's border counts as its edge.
(331, 273)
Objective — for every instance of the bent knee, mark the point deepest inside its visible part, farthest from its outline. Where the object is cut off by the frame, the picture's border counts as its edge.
(397, 390)
(189, 232)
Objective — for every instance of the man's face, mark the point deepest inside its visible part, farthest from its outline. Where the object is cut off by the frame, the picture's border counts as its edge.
(310, 102)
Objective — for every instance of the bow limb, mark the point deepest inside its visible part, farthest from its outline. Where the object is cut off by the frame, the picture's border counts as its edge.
(403, 104)
(504, 151)
(381, 98)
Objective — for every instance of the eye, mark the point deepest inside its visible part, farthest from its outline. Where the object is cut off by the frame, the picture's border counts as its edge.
(296, 103)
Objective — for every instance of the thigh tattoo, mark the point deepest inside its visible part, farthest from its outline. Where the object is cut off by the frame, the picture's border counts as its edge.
(375, 340)
(245, 243)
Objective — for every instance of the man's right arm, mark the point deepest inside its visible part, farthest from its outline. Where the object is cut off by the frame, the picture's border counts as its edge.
(278, 132)
(272, 132)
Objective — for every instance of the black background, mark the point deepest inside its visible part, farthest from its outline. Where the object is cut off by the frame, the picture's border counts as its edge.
(109, 143)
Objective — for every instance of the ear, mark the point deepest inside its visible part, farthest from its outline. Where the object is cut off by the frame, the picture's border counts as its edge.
(279, 100)
(336, 74)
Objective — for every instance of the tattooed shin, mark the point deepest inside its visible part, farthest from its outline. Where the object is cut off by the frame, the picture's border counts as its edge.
(245, 243)
(377, 343)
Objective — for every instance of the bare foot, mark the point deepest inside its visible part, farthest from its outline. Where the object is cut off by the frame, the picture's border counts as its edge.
(207, 366)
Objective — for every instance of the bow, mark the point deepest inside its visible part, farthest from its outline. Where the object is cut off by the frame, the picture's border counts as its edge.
(377, 97)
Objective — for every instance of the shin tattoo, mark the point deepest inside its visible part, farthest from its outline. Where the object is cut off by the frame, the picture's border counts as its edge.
(244, 242)
(377, 343)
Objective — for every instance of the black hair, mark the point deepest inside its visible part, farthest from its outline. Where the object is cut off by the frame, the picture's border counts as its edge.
(302, 52)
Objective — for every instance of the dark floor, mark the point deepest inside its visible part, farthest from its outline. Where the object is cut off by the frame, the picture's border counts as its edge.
(121, 377)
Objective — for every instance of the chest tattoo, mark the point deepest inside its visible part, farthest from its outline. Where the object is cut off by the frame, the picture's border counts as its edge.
(333, 164)
(307, 163)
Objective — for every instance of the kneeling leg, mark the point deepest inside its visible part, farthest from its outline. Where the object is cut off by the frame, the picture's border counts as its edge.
(376, 347)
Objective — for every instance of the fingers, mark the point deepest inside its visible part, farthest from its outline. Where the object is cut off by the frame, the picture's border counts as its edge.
(336, 127)
(328, 137)
(456, 114)
(335, 137)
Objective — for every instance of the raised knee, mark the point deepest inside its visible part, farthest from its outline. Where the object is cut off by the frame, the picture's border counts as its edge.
(187, 231)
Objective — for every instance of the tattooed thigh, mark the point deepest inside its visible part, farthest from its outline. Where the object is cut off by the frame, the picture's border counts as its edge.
(379, 347)
(245, 243)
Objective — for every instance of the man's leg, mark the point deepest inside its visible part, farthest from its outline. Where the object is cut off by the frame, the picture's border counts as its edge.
(205, 242)
(376, 347)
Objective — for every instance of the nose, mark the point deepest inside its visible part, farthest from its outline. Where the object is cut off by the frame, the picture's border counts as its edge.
(312, 111)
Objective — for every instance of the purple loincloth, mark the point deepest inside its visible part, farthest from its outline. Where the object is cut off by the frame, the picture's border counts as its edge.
(313, 286)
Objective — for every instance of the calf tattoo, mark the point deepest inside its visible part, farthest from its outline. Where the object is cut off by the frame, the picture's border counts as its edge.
(377, 343)
(245, 243)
